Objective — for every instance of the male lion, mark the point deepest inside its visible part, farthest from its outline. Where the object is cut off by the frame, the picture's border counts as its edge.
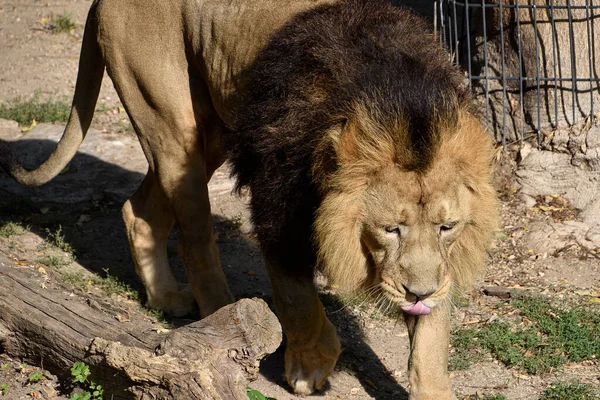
(351, 129)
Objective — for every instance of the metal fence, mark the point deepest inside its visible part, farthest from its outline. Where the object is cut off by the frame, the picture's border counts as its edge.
(533, 63)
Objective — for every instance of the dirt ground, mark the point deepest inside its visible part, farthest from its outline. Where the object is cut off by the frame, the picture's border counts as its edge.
(33, 60)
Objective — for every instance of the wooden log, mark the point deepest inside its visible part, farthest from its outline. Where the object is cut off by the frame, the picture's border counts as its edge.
(42, 323)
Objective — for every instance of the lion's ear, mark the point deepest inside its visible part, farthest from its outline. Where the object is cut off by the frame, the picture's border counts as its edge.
(344, 138)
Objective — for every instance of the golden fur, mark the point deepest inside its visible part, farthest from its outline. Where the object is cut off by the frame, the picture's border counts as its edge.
(341, 216)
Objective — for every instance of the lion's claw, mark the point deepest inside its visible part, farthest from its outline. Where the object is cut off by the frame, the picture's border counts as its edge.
(308, 370)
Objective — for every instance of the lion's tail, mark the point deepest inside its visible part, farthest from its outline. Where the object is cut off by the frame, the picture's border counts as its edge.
(87, 89)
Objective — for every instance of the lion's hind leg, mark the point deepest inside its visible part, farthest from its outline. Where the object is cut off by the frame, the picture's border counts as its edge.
(148, 220)
(172, 113)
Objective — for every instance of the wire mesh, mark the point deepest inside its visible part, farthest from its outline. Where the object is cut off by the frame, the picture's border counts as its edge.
(533, 62)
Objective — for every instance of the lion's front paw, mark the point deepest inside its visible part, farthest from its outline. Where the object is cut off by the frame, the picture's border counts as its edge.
(441, 392)
(174, 303)
(308, 367)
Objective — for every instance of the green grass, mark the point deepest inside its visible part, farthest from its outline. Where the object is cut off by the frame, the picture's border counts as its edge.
(36, 377)
(569, 391)
(76, 279)
(110, 285)
(464, 353)
(158, 315)
(257, 395)
(3, 389)
(552, 337)
(55, 262)
(61, 23)
(26, 111)
(125, 126)
(57, 239)
(9, 229)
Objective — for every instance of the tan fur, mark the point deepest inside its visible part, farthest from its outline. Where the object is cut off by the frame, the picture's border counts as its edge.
(364, 163)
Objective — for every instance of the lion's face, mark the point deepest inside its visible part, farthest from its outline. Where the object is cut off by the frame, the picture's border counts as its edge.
(414, 233)
(410, 223)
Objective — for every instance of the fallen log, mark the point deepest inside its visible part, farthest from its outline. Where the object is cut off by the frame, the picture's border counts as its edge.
(44, 324)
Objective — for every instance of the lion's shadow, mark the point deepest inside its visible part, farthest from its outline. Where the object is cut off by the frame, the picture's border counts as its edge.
(90, 221)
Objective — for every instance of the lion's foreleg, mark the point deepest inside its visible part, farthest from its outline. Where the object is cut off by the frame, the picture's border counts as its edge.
(428, 364)
(313, 346)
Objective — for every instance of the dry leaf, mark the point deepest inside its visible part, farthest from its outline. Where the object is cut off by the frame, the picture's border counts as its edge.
(30, 127)
(122, 317)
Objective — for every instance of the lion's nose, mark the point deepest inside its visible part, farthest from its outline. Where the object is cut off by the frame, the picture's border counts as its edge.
(419, 292)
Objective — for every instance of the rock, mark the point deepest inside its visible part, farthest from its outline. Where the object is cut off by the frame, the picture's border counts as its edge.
(546, 172)
(9, 130)
(528, 200)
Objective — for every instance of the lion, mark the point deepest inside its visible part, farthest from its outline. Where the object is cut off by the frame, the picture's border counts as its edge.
(352, 131)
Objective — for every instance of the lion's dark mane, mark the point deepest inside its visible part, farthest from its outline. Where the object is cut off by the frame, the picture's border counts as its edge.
(305, 81)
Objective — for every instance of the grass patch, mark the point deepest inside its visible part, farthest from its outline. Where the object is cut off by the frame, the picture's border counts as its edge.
(9, 229)
(35, 377)
(3, 389)
(569, 391)
(552, 337)
(57, 239)
(110, 285)
(257, 395)
(27, 111)
(51, 261)
(113, 286)
(76, 279)
(158, 315)
(463, 353)
(61, 23)
(125, 126)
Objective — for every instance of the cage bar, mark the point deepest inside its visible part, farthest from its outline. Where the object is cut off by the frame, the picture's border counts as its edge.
(521, 45)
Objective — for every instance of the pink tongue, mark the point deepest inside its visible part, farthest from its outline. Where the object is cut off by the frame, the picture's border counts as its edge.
(417, 309)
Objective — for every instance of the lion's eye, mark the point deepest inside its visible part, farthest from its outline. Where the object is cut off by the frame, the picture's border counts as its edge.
(448, 226)
(392, 229)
